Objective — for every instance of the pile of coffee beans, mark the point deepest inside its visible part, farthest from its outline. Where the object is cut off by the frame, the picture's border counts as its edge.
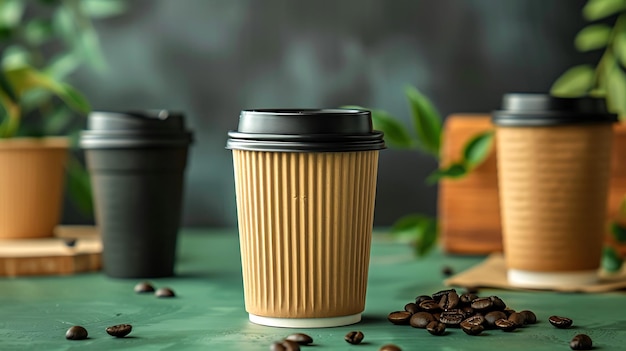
(472, 314)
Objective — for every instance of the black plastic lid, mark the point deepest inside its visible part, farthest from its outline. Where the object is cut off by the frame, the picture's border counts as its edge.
(108, 129)
(302, 130)
(139, 121)
(526, 109)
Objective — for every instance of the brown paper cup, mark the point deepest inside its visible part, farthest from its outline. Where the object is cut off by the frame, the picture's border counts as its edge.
(553, 193)
(305, 222)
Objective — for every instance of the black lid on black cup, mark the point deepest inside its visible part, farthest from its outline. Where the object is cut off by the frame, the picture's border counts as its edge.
(146, 128)
(305, 130)
(536, 110)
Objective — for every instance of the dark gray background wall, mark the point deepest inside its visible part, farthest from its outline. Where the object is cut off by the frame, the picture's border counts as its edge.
(212, 58)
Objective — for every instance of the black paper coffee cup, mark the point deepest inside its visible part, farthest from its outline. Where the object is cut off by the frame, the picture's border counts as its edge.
(136, 161)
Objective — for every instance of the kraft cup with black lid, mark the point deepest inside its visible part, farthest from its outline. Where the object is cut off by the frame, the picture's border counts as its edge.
(554, 157)
(137, 161)
(305, 184)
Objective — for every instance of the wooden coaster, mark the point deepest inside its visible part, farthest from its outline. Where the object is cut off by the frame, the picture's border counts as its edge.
(72, 249)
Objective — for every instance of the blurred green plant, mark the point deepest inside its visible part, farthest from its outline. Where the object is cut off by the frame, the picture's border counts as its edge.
(605, 32)
(42, 43)
(425, 135)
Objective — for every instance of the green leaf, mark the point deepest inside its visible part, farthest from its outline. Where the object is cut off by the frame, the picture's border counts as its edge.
(15, 56)
(421, 230)
(599, 9)
(618, 232)
(616, 92)
(57, 120)
(619, 48)
(611, 260)
(426, 121)
(62, 65)
(575, 82)
(592, 37)
(396, 135)
(103, 8)
(11, 12)
(89, 44)
(64, 25)
(26, 78)
(477, 148)
(79, 187)
(453, 171)
(38, 31)
(7, 88)
(73, 98)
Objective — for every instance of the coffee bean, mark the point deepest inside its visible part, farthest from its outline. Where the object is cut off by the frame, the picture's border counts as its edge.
(447, 271)
(508, 311)
(164, 292)
(300, 338)
(422, 298)
(452, 318)
(505, 325)
(277, 346)
(411, 308)
(581, 342)
(560, 322)
(492, 317)
(291, 345)
(70, 242)
(449, 300)
(144, 287)
(517, 318)
(529, 317)
(471, 290)
(76, 333)
(467, 298)
(390, 347)
(354, 337)
(482, 304)
(476, 319)
(436, 328)
(399, 317)
(498, 304)
(429, 305)
(421, 319)
(468, 311)
(120, 330)
(472, 329)
(437, 296)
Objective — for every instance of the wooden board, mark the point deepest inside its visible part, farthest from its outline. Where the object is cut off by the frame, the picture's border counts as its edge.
(52, 256)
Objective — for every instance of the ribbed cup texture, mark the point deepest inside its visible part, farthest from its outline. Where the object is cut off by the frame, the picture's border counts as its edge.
(305, 224)
(553, 193)
(31, 188)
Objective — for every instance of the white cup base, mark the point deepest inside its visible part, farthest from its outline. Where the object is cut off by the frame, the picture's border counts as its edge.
(305, 322)
(530, 279)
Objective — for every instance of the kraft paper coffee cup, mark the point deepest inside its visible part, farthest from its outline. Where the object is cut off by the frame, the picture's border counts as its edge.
(137, 161)
(554, 159)
(305, 184)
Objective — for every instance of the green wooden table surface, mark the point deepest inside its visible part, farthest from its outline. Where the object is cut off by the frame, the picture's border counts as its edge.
(208, 313)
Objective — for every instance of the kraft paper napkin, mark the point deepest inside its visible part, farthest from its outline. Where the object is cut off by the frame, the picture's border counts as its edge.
(491, 273)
